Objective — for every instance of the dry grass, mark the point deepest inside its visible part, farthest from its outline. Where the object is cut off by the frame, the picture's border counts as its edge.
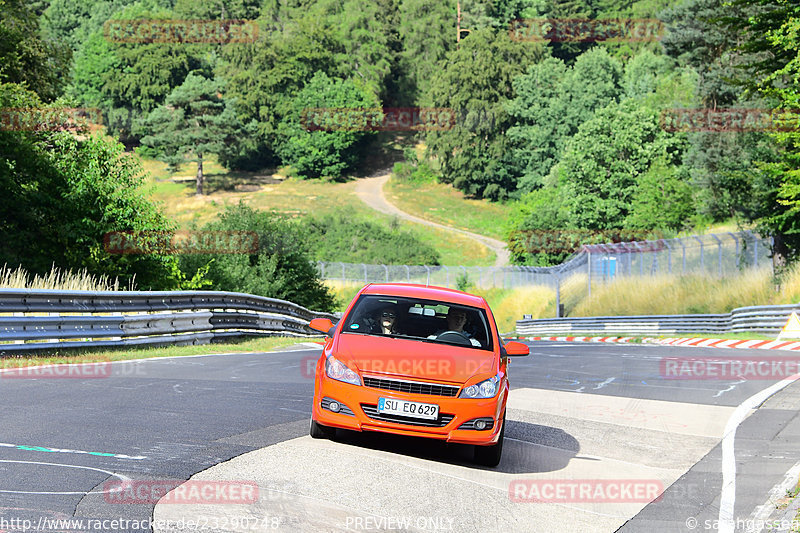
(443, 204)
(65, 280)
(669, 295)
(291, 197)
(790, 285)
(344, 292)
(509, 305)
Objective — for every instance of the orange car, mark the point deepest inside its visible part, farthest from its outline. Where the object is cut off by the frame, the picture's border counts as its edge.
(415, 360)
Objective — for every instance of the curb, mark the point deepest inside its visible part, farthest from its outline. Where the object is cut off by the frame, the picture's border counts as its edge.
(684, 341)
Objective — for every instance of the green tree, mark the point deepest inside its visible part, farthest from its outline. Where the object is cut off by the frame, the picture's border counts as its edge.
(144, 73)
(281, 268)
(195, 121)
(60, 193)
(602, 166)
(427, 32)
(551, 102)
(292, 45)
(27, 58)
(476, 83)
(771, 41)
(365, 53)
(314, 154)
(93, 63)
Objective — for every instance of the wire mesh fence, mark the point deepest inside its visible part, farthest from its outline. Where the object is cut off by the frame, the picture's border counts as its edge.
(721, 255)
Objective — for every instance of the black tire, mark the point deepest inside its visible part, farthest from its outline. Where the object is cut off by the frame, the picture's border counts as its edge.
(490, 455)
(318, 431)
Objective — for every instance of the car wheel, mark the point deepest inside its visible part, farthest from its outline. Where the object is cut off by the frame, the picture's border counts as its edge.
(490, 455)
(318, 431)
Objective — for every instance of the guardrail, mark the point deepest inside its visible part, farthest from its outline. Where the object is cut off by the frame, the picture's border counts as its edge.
(765, 319)
(33, 320)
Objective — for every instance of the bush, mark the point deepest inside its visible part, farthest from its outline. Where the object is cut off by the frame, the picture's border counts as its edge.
(281, 268)
(339, 238)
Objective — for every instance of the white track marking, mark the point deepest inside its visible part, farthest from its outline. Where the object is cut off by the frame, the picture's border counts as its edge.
(124, 479)
(728, 495)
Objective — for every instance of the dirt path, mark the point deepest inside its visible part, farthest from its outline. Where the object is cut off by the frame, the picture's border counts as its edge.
(370, 191)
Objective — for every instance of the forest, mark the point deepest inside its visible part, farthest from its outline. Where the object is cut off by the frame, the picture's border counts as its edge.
(578, 134)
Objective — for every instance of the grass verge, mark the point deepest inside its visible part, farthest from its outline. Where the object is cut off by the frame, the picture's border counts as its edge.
(442, 203)
(83, 355)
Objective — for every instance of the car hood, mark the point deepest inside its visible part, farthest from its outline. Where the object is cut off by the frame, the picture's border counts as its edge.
(412, 358)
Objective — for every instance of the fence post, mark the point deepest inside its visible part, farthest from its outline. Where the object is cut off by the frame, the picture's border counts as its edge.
(702, 261)
(736, 240)
(589, 272)
(719, 248)
(344, 278)
(755, 251)
(365, 272)
(683, 246)
(641, 255)
(654, 265)
(428, 281)
(669, 256)
(558, 293)
(386, 271)
(408, 274)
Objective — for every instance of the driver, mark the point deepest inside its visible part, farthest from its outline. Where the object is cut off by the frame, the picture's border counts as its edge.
(456, 319)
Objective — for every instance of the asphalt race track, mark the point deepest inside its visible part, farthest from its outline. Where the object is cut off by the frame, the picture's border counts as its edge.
(596, 414)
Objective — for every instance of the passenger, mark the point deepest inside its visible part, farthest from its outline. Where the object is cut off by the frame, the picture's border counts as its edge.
(456, 320)
(387, 320)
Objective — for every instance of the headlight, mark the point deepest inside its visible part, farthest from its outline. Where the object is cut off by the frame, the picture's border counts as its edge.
(485, 389)
(335, 369)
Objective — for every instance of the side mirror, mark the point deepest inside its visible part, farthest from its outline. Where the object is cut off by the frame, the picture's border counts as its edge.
(322, 324)
(516, 348)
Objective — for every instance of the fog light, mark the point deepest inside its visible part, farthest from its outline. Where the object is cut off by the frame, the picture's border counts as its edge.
(480, 425)
(334, 406)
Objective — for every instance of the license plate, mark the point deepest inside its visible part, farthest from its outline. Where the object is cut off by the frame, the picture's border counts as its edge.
(391, 406)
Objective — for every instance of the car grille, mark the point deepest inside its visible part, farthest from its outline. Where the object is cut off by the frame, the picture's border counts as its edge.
(411, 387)
(372, 412)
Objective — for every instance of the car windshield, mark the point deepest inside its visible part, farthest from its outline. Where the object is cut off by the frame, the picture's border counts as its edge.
(424, 320)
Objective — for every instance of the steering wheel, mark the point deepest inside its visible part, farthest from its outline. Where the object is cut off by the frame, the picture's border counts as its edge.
(456, 337)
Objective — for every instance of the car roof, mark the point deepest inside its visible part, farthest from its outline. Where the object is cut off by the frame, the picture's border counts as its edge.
(426, 292)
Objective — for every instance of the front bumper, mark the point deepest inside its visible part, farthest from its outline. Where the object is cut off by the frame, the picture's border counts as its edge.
(453, 412)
